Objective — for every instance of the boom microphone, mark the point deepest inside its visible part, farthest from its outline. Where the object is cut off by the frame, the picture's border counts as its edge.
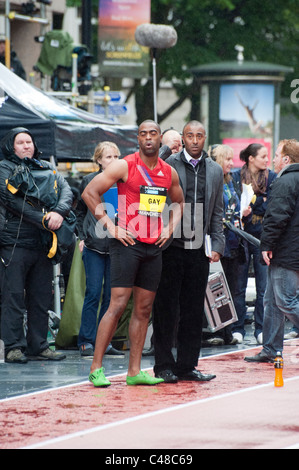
(164, 152)
(156, 36)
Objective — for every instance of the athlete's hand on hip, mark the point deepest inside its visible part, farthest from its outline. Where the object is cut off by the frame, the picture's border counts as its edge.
(164, 237)
(124, 236)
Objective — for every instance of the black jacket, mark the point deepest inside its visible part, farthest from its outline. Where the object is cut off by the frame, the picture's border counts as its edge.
(21, 217)
(281, 222)
(213, 198)
(89, 228)
(253, 225)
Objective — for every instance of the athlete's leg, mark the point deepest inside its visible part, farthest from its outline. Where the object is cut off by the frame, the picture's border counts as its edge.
(143, 302)
(107, 327)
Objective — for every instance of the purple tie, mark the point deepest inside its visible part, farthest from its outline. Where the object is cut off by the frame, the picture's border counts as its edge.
(194, 162)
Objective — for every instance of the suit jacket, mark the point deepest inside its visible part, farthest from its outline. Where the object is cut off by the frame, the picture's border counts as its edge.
(213, 197)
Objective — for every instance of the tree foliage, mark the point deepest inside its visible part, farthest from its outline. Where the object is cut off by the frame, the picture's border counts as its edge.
(209, 30)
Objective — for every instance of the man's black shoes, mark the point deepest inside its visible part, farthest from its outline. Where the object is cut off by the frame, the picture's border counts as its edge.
(168, 376)
(196, 376)
(260, 357)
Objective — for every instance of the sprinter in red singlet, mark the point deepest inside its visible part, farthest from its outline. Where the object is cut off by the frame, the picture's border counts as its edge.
(144, 181)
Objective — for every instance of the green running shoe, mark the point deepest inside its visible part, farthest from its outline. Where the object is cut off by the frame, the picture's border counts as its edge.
(143, 378)
(98, 379)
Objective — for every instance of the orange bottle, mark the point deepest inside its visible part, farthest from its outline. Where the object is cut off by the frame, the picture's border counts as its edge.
(278, 365)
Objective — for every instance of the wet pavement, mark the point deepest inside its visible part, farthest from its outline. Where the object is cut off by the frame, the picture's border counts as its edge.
(17, 379)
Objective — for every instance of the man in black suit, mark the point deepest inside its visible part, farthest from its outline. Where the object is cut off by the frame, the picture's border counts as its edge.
(185, 262)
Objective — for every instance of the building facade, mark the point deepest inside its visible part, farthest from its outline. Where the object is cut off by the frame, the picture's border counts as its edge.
(23, 33)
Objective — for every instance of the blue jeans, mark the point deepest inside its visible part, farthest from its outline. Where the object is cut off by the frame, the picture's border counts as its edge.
(260, 272)
(97, 270)
(281, 299)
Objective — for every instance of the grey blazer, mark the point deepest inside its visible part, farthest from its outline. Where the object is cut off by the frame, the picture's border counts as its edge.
(213, 198)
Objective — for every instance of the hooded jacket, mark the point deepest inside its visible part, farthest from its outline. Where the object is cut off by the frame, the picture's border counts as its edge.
(281, 221)
(27, 193)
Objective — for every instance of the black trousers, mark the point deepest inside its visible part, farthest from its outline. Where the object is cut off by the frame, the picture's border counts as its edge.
(26, 286)
(181, 293)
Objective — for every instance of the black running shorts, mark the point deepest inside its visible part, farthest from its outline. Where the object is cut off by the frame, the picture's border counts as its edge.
(139, 265)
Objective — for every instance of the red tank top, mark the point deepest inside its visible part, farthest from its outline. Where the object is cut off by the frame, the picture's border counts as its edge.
(142, 198)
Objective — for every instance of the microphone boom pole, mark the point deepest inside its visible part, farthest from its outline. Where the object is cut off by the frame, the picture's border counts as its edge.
(154, 64)
(155, 37)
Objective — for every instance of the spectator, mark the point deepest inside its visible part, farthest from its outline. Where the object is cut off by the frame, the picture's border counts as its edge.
(280, 251)
(223, 155)
(95, 248)
(185, 264)
(173, 140)
(171, 143)
(255, 172)
(27, 271)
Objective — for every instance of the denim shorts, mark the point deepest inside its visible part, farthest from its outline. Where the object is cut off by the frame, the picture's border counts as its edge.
(138, 265)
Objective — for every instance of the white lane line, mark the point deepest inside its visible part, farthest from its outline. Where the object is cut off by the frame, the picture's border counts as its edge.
(149, 415)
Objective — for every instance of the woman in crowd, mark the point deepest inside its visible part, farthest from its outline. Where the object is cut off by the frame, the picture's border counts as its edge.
(255, 172)
(94, 245)
(223, 155)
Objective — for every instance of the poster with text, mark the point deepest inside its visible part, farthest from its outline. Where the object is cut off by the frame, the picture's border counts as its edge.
(246, 115)
(119, 53)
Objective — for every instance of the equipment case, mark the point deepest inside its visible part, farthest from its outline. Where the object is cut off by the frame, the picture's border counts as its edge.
(219, 307)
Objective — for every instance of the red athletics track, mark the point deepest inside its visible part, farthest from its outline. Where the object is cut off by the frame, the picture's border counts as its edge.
(240, 409)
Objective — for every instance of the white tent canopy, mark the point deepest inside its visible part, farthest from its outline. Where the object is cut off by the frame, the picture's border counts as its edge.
(61, 130)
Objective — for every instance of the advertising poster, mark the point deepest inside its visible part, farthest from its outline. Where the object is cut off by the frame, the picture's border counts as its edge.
(119, 53)
(246, 116)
